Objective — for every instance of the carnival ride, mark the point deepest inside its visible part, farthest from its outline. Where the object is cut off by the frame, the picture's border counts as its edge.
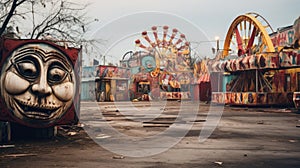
(161, 65)
(249, 34)
(252, 70)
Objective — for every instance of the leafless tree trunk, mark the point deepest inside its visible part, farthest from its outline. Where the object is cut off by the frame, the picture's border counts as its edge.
(8, 10)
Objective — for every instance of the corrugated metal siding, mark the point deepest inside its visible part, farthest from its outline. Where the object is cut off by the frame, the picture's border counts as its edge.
(88, 90)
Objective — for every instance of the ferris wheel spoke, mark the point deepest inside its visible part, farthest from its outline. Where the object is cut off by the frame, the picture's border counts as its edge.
(154, 31)
(239, 41)
(174, 33)
(249, 30)
(165, 31)
(245, 31)
(251, 40)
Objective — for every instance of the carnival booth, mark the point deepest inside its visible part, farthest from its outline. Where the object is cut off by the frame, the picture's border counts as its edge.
(111, 83)
(259, 74)
(202, 86)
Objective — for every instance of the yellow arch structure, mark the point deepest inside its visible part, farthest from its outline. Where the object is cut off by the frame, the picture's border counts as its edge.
(252, 19)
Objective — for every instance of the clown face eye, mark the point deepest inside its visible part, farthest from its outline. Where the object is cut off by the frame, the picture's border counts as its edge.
(28, 69)
(56, 74)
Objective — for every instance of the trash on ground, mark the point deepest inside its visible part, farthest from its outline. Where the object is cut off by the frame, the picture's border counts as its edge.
(20, 155)
(260, 122)
(118, 157)
(7, 146)
(102, 136)
(292, 140)
(218, 163)
(72, 133)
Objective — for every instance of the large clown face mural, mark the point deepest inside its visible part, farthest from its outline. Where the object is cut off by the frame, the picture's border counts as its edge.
(38, 83)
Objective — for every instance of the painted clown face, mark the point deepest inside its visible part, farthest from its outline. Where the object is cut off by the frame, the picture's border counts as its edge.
(38, 83)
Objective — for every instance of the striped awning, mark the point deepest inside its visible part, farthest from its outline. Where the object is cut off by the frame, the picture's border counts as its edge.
(259, 61)
(204, 78)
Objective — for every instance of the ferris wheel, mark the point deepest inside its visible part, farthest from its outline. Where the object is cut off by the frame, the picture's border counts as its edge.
(169, 47)
(248, 34)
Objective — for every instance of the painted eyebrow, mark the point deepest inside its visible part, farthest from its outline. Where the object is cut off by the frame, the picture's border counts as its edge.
(38, 52)
(45, 56)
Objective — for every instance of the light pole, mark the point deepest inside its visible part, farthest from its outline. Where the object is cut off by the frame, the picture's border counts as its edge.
(217, 38)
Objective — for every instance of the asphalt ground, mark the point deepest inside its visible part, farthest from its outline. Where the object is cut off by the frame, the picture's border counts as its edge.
(243, 137)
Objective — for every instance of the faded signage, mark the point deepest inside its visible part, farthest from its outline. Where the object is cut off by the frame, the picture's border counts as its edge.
(283, 37)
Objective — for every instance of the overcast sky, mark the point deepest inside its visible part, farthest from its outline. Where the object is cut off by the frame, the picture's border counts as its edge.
(213, 17)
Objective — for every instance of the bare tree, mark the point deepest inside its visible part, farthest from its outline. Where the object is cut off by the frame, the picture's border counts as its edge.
(56, 20)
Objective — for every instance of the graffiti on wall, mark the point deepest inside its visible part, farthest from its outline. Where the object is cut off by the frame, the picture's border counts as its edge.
(252, 98)
(107, 71)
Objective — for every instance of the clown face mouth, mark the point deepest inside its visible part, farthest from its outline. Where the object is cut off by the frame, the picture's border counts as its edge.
(37, 111)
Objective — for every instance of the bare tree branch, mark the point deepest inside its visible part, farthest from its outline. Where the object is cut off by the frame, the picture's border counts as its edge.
(65, 20)
(61, 21)
(10, 6)
(8, 17)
